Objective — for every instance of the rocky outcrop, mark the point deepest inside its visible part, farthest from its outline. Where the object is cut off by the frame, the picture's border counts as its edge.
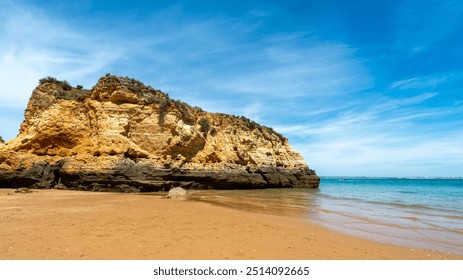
(124, 136)
(177, 193)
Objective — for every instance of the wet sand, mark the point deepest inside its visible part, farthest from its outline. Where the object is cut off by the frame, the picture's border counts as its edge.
(72, 225)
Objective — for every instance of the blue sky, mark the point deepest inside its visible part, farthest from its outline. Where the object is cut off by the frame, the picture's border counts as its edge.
(368, 88)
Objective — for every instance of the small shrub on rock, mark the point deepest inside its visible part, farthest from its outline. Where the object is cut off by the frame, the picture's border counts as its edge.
(204, 125)
(48, 79)
(213, 131)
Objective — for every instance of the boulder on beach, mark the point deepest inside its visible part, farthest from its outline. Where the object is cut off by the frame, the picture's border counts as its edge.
(177, 193)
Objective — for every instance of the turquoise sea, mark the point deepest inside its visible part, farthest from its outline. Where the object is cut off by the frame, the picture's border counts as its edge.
(413, 212)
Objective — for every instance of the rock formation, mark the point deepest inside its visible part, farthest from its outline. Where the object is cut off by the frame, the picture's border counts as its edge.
(124, 136)
(177, 193)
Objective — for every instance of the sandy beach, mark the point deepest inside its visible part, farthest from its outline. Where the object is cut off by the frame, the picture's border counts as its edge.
(59, 224)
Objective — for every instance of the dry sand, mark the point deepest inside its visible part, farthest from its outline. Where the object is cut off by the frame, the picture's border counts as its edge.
(57, 224)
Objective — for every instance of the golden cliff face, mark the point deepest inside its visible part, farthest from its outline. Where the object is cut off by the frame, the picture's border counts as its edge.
(123, 133)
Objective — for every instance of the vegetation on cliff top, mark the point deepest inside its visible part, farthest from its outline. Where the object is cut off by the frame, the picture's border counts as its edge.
(64, 89)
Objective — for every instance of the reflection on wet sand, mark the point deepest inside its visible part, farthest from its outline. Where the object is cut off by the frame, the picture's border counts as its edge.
(284, 202)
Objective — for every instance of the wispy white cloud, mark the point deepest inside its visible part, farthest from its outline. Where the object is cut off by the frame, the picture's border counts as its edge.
(418, 83)
(380, 137)
(318, 69)
(428, 81)
(17, 80)
(398, 156)
(368, 116)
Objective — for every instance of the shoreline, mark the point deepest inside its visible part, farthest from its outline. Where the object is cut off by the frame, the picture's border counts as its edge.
(74, 225)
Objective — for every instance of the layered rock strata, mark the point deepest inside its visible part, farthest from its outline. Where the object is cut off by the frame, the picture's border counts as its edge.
(124, 136)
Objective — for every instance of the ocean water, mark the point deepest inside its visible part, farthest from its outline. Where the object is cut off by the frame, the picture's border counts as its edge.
(421, 213)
